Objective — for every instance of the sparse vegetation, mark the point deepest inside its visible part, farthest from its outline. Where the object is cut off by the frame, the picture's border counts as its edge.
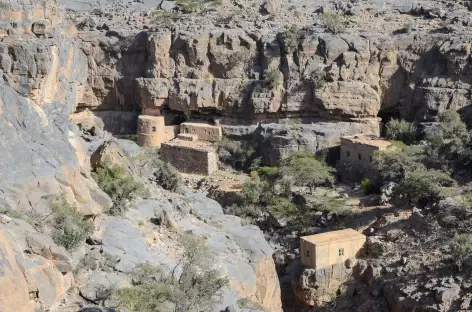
(273, 77)
(421, 187)
(401, 130)
(333, 22)
(241, 155)
(462, 249)
(120, 186)
(132, 137)
(70, 228)
(394, 164)
(167, 176)
(448, 142)
(367, 186)
(190, 6)
(305, 170)
(255, 192)
(281, 206)
(193, 290)
(291, 39)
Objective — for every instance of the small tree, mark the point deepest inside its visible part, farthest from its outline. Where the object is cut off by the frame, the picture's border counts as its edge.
(241, 155)
(305, 170)
(401, 130)
(273, 77)
(448, 142)
(291, 39)
(255, 192)
(421, 187)
(395, 164)
(120, 186)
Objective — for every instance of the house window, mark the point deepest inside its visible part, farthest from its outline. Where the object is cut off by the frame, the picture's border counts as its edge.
(341, 252)
(370, 158)
(348, 154)
(359, 156)
(153, 129)
(307, 253)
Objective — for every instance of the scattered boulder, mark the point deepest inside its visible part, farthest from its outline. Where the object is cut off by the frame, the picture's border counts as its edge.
(386, 192)
(376, 247)
(111, 153)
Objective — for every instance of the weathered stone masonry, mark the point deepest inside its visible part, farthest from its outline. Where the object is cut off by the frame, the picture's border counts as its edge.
(190, 157)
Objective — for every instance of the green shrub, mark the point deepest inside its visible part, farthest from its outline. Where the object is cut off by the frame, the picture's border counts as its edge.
(280, 206)
(132, 137)
(395, 164)
(305, 170)
(193, 290)
(244, 211)
(291, 39)
(461, 248)
(70, 228)
(401, 130)
(331, 205)
(273, 77)
(448, 143)
(241, 155)
(333, 22)
(367, 186)
(421, 187)
(268, 174)
(255, 192)
(167, 176)
(120, 186)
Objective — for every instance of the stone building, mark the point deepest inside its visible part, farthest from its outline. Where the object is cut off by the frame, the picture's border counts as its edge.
(330, 248)
(151, 130)
(204, 131)
(359, 149)
(189, 155)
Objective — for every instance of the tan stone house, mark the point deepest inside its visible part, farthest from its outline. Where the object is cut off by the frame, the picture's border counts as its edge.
(326, 249)
(360, 148)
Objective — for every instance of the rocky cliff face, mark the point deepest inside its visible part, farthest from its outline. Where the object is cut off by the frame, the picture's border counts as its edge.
(43, 73)
(251, 68)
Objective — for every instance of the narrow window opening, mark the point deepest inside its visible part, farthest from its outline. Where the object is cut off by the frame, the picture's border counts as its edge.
(153, 129)
(307, 253)
(341, 252)
(359, 156)
(348, 154)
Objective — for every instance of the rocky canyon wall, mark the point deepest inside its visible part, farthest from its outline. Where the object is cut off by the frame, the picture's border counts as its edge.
(300, 96)
(43, 72)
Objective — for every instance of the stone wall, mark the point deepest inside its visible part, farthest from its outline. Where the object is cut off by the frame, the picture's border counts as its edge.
(357, 152)
(190, 157)
(205, 132)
